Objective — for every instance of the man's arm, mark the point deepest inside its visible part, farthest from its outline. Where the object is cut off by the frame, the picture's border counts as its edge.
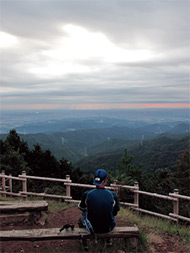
(116, 207)
(82, 205)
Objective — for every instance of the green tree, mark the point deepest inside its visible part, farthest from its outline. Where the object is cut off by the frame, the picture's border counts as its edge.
(182, 181)
(182, 175)
(13, 140)
(65, 168)
(43, 163)
(159, 181)
(127, 172)
(13, 154)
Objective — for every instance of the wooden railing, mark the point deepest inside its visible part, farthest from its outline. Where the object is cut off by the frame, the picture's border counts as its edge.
(174, 197)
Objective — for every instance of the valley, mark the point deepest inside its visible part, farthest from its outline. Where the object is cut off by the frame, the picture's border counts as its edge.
(154, 145)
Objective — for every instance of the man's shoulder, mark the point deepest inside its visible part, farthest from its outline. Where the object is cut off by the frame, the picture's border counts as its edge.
(89, 191)
(112, 193)
(96, 191)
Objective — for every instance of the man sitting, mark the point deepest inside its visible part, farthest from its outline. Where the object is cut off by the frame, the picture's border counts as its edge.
(99, 206)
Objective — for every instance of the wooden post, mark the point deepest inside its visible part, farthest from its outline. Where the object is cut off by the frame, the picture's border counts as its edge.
(24, 184)
(176, 204)
(136, 195)
(3, 182)
(10, 184)
(68, 187)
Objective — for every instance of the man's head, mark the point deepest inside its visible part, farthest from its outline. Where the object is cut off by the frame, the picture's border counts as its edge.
(100, 177)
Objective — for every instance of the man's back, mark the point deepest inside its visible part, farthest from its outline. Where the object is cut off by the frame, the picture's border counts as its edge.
(102, 205)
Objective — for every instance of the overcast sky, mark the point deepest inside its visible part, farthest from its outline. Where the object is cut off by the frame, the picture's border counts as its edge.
(94, 53)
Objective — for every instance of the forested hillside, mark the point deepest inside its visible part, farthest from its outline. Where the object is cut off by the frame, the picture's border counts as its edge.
(78, 144)
(161, 152)
(16, 156)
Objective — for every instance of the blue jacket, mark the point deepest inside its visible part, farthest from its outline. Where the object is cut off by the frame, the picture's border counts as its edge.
(101, 206)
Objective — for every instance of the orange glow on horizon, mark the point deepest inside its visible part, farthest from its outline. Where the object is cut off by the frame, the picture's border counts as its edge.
(130, 106)
(95, 106)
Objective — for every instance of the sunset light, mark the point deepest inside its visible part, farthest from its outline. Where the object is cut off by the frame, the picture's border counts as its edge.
(96, 106)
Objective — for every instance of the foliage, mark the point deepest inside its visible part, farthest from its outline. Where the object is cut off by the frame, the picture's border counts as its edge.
(155, 153)
(13, 154)
(127, 172)
(16, 157)
(182, 175)
(182, 181)
(162, 181)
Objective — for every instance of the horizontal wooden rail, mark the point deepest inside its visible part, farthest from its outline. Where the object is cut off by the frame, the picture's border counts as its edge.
(14, 178)
(80, 185)
(179, 196)
(155, 214)
(46, 179)
(85, 185)
(180, 217)
(156, 195)
(124, 186)
(128, 204)
(6, 187)
(11, 193)
(45, 195)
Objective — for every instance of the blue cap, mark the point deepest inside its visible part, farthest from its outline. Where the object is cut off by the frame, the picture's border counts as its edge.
(100, 177)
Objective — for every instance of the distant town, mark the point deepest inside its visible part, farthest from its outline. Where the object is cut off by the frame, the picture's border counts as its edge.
(23, 119)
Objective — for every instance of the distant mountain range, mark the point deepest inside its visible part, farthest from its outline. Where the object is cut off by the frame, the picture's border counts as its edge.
(90, 143)
(49, 121)
(71, 125)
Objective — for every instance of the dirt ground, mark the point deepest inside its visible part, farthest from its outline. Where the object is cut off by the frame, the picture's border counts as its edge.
(158, 243)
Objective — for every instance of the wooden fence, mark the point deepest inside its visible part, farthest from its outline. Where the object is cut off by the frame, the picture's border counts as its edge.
(6, 189)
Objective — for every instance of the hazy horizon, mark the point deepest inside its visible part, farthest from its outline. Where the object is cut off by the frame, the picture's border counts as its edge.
(14, 118)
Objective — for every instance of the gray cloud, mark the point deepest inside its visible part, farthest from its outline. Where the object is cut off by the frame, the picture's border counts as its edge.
(38, 70)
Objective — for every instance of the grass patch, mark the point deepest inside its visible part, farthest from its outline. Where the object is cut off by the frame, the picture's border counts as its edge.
(143, 241)
(58, 205)
(10, 198)
(149, 223)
